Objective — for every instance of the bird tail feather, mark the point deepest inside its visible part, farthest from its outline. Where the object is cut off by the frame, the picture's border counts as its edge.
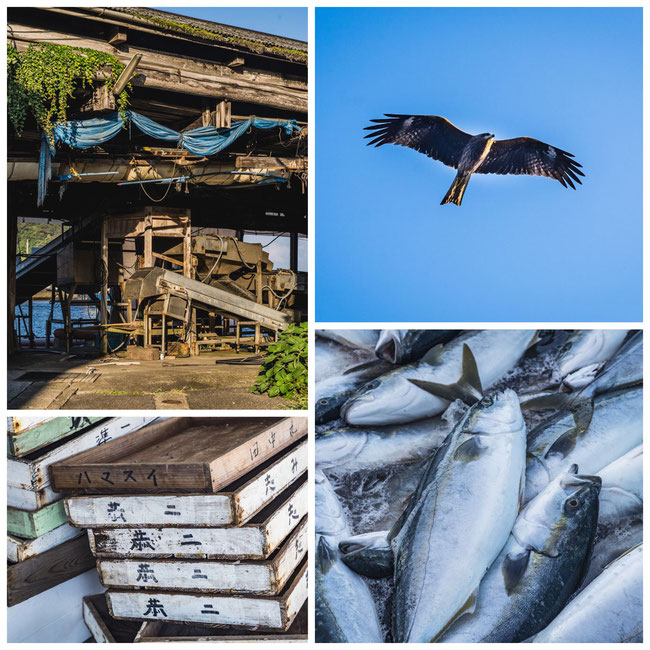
(456, 191)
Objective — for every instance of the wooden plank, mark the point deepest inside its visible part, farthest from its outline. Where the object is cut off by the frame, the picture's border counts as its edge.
(237, 611)
(30, 525)
(255, 540)
(24, 499)
(270, 162)
(54, 615)
(48, 569)
(31, 472)
(238, 503)
(25, 438)
(186, 75)
(266, 577)
(159, 631)
(103, 627)
(183, 454)
(19, 549)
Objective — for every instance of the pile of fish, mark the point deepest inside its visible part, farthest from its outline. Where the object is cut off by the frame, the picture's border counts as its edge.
(479, 486)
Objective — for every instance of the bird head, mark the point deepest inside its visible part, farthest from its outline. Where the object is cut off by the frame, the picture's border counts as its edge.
(487, 136)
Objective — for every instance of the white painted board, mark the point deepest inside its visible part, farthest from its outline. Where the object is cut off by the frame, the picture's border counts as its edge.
(238, 611)
(19, 549)
(248, 577)
(30, 500)
(55, 615)
(253, 540)
(127, 510)
(33, 474)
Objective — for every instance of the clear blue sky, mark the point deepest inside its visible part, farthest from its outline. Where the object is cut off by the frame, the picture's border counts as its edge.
(290, 22)
(520, 248)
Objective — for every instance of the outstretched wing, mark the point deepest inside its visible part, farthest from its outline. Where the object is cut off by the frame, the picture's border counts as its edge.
(530, 156)
(434, 136)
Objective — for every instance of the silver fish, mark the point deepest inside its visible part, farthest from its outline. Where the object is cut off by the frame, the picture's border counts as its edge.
(608, 610)
(404, 346)
(345, 611)
(356, 339)
(588, 347)
(393, 398)
(365, 448)
(615, 428)
(539, 568)
(622, 492)
(458, 519)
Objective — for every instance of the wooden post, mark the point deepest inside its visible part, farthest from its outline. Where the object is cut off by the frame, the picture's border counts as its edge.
(148, 241)
(162, 339)
(206, 114)
(223, 114)
(187, 249)
(293, 251)
(104, 288)
(48, 324)
(12, 341)
(30, 321)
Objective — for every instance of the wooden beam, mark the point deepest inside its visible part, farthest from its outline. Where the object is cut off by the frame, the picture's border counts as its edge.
(270, 162)
(104, 286)
(183, 75)
(117, 36)
(237, 62)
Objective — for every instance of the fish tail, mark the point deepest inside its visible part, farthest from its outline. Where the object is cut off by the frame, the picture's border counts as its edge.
(456, 191)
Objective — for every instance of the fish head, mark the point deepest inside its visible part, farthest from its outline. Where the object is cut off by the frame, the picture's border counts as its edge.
(565, 508)
(494, 414)
(336, 447)
(330, 519)
(390, 345)
(378, 400)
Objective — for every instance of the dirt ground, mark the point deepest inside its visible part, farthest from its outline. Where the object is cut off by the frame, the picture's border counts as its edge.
(80, 382)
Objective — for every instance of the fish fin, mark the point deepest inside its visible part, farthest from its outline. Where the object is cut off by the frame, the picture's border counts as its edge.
(468, 608)
(468, 387)
(326, 555)
(534, 340)
(513, 568)
(561, 401)
(565, 444)
(397, 526)
(581, 409)
(364, 366)
(434, 356)
(470, 450)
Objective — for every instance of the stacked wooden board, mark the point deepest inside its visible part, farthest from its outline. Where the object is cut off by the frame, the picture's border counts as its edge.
(197, 521)
(49, 561)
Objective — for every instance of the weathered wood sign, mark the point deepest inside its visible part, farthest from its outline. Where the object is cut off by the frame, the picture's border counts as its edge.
(34, 524)
(188, 454)
(271, 612)
(266, 577)
(159, 631)
(27, 434)
(48, 569)
(255, 540)
(24, 499)
(31, 472)
(236, 505)
(19, 549)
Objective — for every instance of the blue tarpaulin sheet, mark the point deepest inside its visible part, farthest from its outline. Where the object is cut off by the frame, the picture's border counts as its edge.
(204, 141)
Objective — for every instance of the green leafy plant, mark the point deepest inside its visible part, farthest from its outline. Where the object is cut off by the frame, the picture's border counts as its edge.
(42, 79)
(284, 371)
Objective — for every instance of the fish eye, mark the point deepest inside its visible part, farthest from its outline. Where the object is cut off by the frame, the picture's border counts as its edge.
(572, 503)
(323, 401)
(488, 400)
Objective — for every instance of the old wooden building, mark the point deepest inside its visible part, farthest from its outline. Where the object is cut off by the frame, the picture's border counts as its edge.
(158, 196)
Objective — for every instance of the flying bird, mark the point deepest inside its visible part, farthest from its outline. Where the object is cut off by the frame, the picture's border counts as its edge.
(439, 139)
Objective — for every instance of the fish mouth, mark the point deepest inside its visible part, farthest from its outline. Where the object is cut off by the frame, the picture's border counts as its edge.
(571, 480)
(389, 350)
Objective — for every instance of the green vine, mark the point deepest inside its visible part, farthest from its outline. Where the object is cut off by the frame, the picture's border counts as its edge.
(249, 44)
(43, 78)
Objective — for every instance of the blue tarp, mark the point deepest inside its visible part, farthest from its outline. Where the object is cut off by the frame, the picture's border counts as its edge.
(204, 141)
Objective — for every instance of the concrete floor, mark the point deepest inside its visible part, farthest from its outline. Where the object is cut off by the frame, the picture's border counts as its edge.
(193, 383)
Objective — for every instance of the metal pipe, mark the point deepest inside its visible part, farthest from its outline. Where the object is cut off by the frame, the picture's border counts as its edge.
(126, 75)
